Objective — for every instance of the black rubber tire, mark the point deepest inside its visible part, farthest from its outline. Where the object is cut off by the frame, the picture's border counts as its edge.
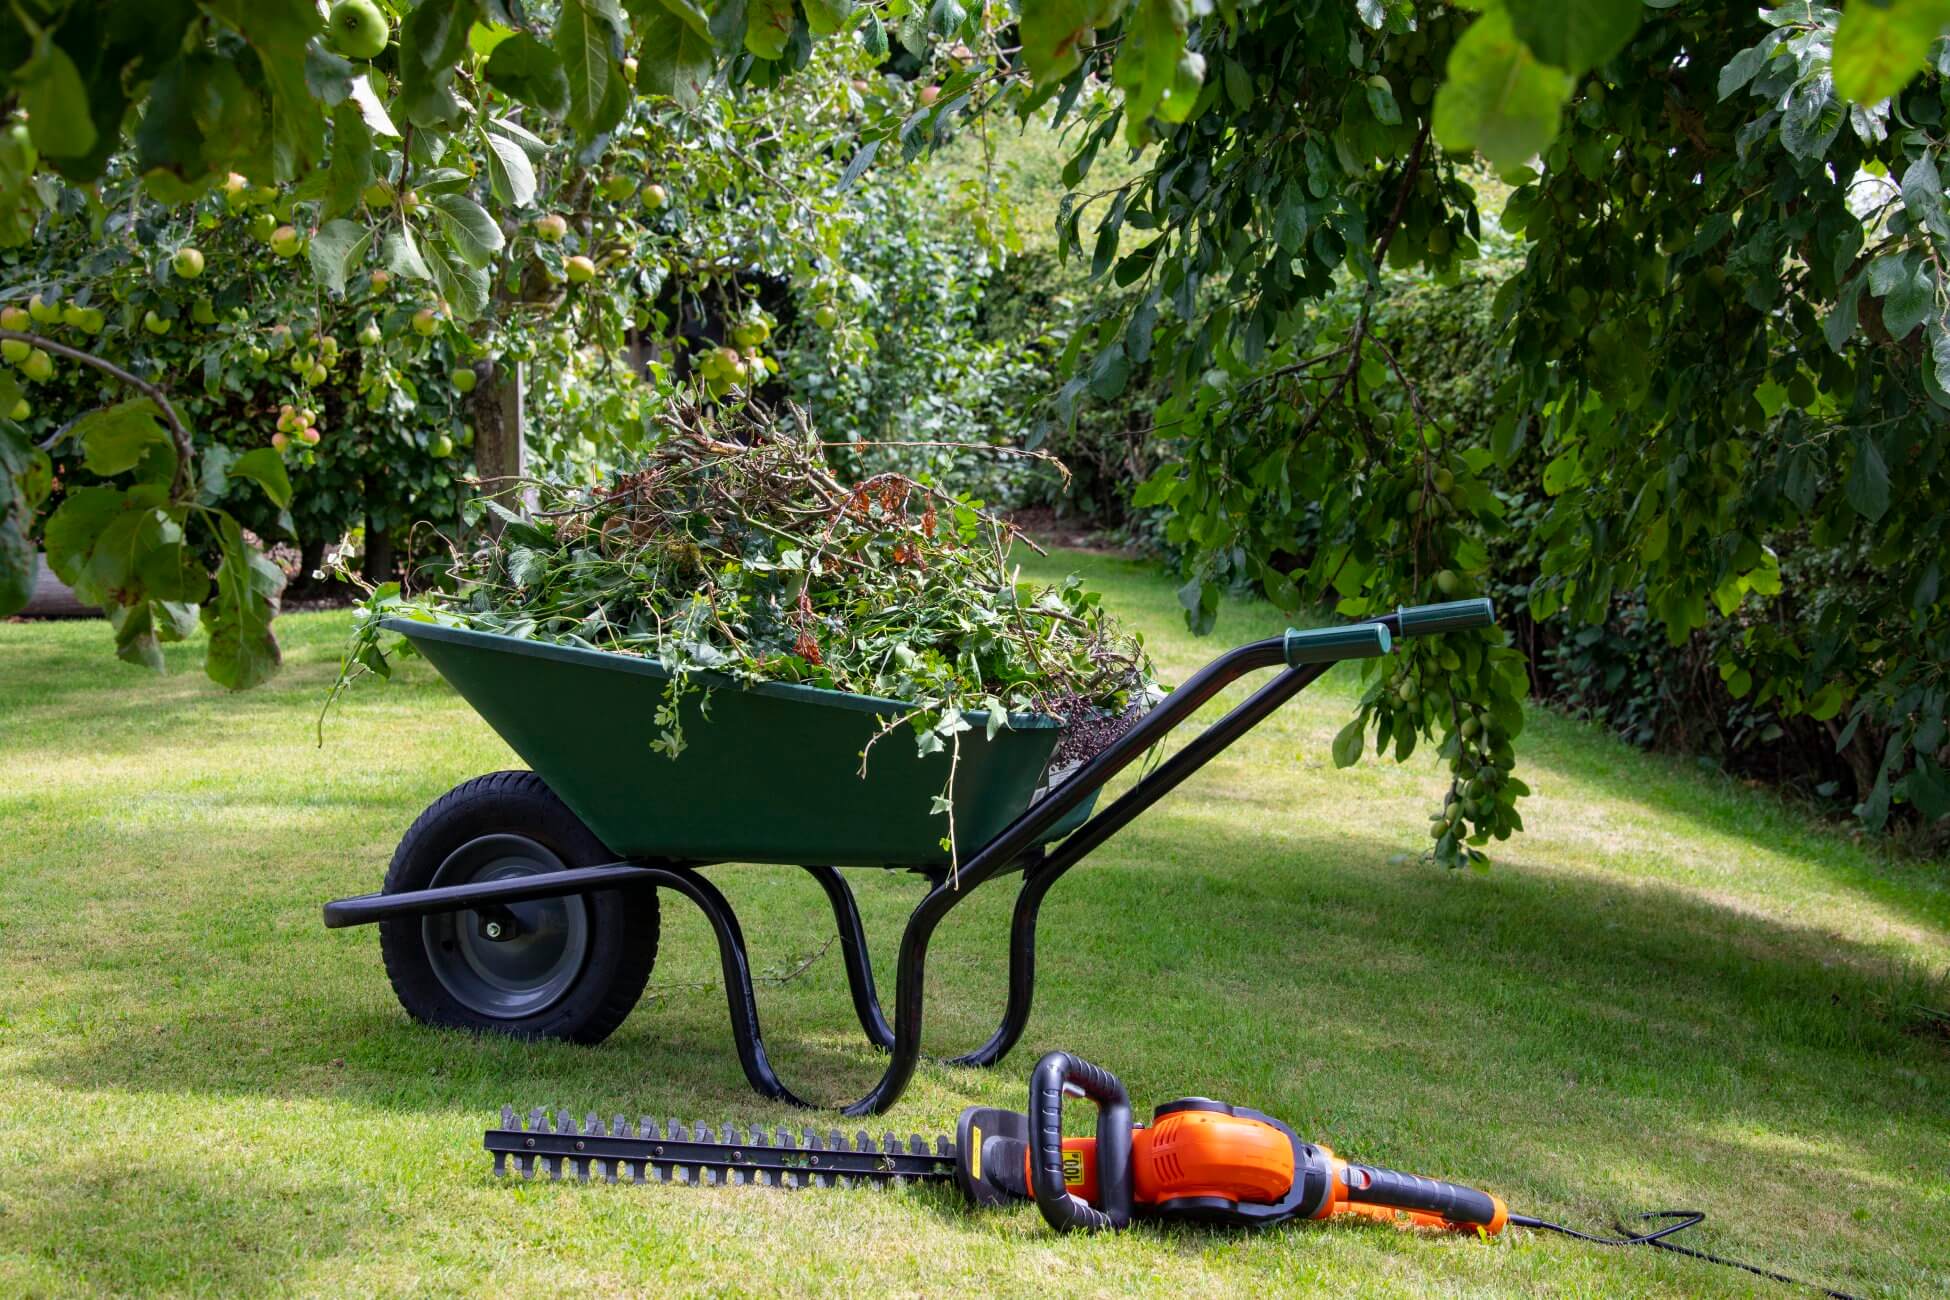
(621, 925)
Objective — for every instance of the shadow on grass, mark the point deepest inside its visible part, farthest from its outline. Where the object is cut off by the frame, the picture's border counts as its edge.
(1608, 986)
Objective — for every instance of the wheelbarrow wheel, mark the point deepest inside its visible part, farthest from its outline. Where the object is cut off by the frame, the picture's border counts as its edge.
(573, 968)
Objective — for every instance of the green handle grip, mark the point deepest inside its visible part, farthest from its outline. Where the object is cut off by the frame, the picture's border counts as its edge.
(1323, 645)
(1450, 616)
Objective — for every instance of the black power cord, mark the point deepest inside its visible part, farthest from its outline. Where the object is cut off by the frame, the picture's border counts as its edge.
(1657, 1238)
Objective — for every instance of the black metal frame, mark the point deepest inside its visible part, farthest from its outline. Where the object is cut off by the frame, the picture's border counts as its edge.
(1017, 847)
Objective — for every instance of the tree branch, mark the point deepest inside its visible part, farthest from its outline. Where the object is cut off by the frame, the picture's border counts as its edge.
(179, 434)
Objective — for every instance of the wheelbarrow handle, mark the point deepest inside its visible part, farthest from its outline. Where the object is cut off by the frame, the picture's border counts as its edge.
(1323, 645)
(1449, 616)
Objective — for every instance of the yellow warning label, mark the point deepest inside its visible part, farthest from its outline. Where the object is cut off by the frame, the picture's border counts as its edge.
(1073, 1168)
(975, 1153)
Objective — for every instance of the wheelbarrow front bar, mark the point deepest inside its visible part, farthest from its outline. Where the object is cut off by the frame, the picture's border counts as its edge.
(368, 908)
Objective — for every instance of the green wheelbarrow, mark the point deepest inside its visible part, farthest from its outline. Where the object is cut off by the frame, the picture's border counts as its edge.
(525, 902)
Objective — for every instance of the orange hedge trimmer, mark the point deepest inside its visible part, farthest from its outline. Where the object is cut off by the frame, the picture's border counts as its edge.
(1198, 1160)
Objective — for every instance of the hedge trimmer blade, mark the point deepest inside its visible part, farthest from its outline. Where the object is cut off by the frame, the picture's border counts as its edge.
(696, 1155)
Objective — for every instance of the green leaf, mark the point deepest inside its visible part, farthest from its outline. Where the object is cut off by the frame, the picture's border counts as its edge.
(1498, 99)
(265, 467)
(464, 287)
(1909, 301)
(243, 650)
(135, 635)
(1740, 69)
(470, 229)
(350, 169)
(337, 247)
(1348, 742)
(400, 253)
(582, 42)
(825, 17)
(1052, 30)
(74, 527)
(117, 438)
(1923, 196)
(528, 70)
(56, 101)
(1880, 46)
(431, 40)
(1868, 479)
(1574, 34)
(768, 27)
(1147, 62)
(510, 175)
(675, 58)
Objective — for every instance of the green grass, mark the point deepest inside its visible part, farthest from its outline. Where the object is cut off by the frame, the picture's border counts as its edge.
(1671, 991)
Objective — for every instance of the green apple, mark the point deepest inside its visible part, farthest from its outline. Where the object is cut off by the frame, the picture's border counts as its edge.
(380, 279)
(73, 314)
(188, 263)
(14, 351)
(425, 322)
(467, 435)
(826, 315)
(236, 192)
(463, 379)
(619, 187)
(92, 320)
(154, 323)
(43, 311)
(38, 367)
(279, 440)
(356, 29)
(655, 197)
(369, 335)
(441, 448)
(550, 229)
(285, 241)
(579, 269)
(14, 318)
(263, 225)
(316, 375)
(379, 194)
(203, 313)
(21, 410)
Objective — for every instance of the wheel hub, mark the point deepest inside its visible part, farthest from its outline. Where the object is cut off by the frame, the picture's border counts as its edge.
(517, 960)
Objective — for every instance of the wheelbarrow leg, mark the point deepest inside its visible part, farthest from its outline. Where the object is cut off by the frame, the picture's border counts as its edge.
(737, 972)
(853, 950)
(1037, 877)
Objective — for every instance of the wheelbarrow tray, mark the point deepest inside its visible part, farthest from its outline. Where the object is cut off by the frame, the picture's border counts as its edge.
(771, 775)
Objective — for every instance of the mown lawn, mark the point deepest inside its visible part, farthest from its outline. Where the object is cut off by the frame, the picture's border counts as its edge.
(1671, 991)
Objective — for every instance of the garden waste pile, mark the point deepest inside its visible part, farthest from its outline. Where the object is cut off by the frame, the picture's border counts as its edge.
(734, 548)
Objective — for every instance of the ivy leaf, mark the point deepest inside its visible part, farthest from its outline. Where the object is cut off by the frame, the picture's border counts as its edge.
(243, 650)
(335, 249)
(1053, 29)
(1868, 479)
(768, 26)
(1880, 46)
(675, 58)
(1498, 99)
(265, 467)
(1574, 34)
(470, 229)
(117, 438)
(528, 70)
